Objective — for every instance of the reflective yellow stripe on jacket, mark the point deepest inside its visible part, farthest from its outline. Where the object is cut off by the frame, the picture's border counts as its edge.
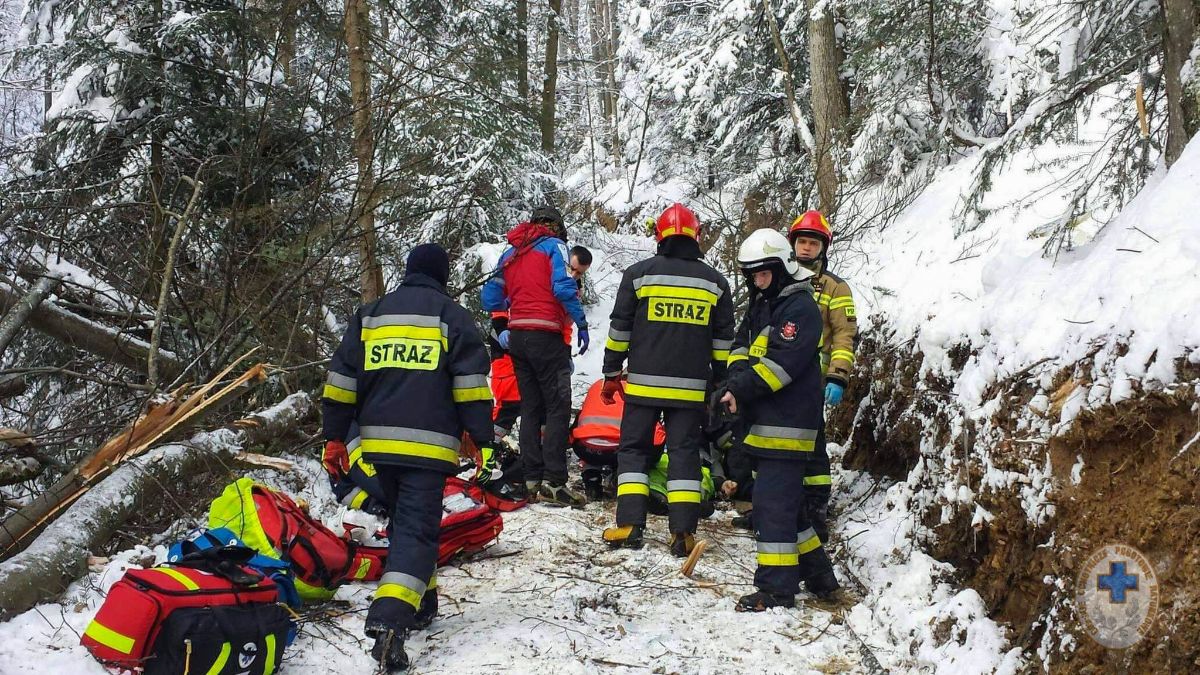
(666, 388)
(402, 441)
(781, 438)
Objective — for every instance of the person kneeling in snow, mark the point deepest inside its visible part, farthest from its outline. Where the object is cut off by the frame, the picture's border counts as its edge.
(774, 384)
(412, 372)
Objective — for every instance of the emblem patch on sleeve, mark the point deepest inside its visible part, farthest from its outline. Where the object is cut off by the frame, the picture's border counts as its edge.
(788, 332)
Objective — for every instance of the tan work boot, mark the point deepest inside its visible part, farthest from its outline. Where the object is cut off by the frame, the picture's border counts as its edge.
(624, 536)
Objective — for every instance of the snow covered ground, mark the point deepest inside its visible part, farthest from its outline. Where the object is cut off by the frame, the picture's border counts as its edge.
(549, 597)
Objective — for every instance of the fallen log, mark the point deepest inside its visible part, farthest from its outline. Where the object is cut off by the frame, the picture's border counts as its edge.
(94, 338)
(22, 308)
(153, 427)
(60, 553)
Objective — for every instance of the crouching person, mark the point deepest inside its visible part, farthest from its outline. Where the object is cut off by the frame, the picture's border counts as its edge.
(775, 384)
(412, 372)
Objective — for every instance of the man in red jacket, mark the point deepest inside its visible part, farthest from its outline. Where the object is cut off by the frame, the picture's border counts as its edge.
(533, 283)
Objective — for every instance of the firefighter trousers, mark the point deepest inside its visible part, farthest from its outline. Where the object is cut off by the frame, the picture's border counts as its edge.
(637, 454)
(789, 550)
(817, 487)
(410, 571)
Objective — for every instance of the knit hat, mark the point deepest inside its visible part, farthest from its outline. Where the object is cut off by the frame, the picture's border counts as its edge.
(430, 260)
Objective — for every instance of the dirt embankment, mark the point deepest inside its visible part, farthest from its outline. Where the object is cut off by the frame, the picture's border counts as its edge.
(1117, 475)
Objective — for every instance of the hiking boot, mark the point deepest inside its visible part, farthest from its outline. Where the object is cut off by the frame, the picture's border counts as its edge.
(428, 610)
(761, 601)
(624, 536)
(514, 492)
(532, 488)
(593, 485)
(560, 495)
(682, 544)
(388, 651)
(744, 521)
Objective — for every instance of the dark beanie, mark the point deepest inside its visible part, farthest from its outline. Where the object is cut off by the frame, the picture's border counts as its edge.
(430, 260)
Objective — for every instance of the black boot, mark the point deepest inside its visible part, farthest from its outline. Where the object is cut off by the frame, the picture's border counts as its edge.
(593, 484)
(428, 610)
(624, 536)
(760, 601)
(388, 651)
(744, 521)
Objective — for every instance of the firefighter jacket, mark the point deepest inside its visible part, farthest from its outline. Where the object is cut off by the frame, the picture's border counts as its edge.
(840, 332)
(673, 320)
(775, 374)
(412, 372)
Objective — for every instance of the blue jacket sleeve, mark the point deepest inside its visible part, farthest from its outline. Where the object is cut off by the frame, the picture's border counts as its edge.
(494, 296)
(564, 286)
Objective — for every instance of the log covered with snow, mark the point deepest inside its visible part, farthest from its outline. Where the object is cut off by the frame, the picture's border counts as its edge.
(59, 554)
(95, 338)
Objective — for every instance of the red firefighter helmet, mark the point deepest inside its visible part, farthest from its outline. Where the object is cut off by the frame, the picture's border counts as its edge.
(811, 223)
(677, 219)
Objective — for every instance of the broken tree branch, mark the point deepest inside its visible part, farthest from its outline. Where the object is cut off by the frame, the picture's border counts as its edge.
(153, 427)
(19, 314)
(168, 271)
(59, 555)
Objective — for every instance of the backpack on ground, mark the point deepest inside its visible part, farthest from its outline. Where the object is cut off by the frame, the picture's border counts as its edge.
(271, 523)
(201, 618)
(469, 524)
(204, 544)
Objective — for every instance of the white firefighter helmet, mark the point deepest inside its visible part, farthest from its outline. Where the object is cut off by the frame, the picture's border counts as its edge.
(767, 246)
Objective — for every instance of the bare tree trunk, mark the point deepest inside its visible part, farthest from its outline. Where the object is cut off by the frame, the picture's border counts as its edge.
(803, 135)
(12, 322)
(358, 40)
(165, 289)
(614, 91)
(830, 111)
(1179, 29)
(91, 337)
(59, 555)
(550, 78)
(523, 51)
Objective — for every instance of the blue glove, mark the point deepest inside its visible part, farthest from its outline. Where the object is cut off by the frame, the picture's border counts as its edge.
(502, 338)
(584, 340)
(833, 393)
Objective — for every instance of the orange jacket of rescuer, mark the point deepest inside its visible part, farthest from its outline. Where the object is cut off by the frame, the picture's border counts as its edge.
(599, 424)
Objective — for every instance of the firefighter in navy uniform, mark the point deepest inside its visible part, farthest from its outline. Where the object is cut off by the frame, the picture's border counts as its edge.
(673, 319)
(412, 372)
(775, 386)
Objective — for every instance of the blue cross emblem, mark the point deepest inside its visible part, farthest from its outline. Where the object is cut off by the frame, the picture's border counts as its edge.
(1116, 582)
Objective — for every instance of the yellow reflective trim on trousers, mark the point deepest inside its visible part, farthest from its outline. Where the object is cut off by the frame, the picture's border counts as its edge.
(385, 446)
(334, 393)
(412, 332)
(222, 658)
(472, 394)
(269, 667)
(359, 498)
(843, 354)
(818, 480)
(769, 443)
(668, 393)
(840, 302)
(109, 637)
(720, 355)
(633, 489)
(683, 496)
(178, 576)
(617, 345)
(778, 559)
(768, 377)
(657, 291)
(734, 358)
(809, 545)
(398, 592)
